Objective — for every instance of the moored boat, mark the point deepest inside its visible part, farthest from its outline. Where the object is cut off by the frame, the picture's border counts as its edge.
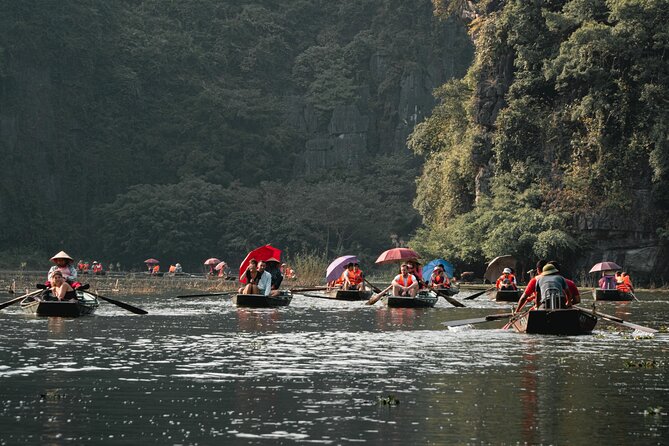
(262, 301)
(348, 294)
(84, 304)
(422, 300)
(568, 321)
(611, 295)
(507, 295)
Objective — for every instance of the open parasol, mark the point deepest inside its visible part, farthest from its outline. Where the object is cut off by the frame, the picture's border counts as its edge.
(263, 253)
(497, 265)
(337, 267)
(605, 266)
(397, 255)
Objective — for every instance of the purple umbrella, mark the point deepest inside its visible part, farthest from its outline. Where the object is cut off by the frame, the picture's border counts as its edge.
(338, 266)
(605, 266)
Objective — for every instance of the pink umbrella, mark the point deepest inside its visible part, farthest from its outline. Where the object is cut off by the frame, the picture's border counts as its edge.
(397, 254)
(605, 266)
(151, 261)
(338, 266)
(212, 261)
(220, 266)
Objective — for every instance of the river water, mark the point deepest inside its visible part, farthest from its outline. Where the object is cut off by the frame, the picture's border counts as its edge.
(201, 371)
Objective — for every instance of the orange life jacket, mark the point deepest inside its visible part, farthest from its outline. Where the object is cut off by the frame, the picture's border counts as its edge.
(355, 277)
(405, 282)
(511, 280)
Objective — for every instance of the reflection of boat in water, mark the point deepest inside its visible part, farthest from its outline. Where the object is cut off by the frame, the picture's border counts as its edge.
(568, 321)
(348, 294)
(422, 300)
(611, 295)
(506, 295)
(262, 301)
(85, 303)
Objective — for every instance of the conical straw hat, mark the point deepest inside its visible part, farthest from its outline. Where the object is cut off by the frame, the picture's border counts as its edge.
(62, 255)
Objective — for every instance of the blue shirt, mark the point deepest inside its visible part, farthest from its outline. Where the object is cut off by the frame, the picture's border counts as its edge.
(265, 283)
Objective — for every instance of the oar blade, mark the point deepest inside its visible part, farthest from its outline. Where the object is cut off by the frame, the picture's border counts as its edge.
(123, 305)
(478, 320)
(475, 295)
(617, 320)
(17, 299)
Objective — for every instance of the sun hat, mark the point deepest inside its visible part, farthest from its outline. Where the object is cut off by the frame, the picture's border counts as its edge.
(549, 269)
(507, 271)
(272, 259)
(62, 255)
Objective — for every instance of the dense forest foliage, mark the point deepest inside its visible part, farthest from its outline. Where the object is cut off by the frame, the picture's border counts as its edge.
(137, 128)
(564, 113)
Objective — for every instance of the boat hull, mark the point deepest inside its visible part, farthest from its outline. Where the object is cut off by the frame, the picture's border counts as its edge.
(452, 291)
(85, 304)
(350, 295)
(611, 295)
(262, 301)
(507, 295)
(569, 322)
(420, 301)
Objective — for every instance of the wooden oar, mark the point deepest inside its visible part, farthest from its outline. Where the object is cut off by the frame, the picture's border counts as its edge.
(375, 289)
(449, 299)
(316, 288)
(617, 320)
(474, 296)
(375, 298)
(478, 320)
(17, 299)
(227, 293)
(632, 293)
(120, 304)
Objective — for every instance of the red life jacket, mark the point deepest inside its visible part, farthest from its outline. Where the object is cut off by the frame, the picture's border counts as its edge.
(355, 277)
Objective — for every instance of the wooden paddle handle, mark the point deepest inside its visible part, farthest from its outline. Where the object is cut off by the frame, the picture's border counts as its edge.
(374, 299)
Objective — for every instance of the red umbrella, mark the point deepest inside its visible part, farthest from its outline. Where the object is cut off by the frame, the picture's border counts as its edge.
(212, 261)
(397, 254)
(605, 266)
(263, 253)
(151, 261)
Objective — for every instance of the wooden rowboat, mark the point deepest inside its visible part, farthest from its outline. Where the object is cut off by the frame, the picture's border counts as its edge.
(568, 321)
(611, 295)
(262, 301)
(422, 300)
(507, 295)
(84, 304)
(452, 291)
(348, 294)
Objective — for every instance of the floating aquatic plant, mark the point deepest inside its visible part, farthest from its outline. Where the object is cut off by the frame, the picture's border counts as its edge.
(654, 411)
(390, 400)
(646, 364)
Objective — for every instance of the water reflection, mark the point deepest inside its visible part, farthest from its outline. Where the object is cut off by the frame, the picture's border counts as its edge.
(198, 372)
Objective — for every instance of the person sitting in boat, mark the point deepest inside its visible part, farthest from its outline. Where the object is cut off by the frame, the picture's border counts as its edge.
(607, 281)
(155, 270)
(80, 266)
(624, 283)
(552, 291)
(507, 281)
(64, 264)
(414, 269)
(273, 266)
(252, 278)
(288, 272)
(574, 296)
(529, 294)
(172, 270)
(178, 269)
(353, 278)
(222, 273)
(60, 289)
(405, 284)
(265, 286)
(97, 268)
(439, 278)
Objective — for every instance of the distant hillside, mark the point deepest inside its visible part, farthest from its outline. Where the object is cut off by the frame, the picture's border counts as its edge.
(186, 129)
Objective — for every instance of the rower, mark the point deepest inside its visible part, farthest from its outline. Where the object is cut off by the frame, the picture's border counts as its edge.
(552, 291)
(405, 284)
(414, 269)
(272, 266)
(64, 264)
(529, 294)
(507, 281)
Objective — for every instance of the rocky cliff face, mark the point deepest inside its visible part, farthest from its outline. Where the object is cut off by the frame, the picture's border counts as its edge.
(386, 109)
